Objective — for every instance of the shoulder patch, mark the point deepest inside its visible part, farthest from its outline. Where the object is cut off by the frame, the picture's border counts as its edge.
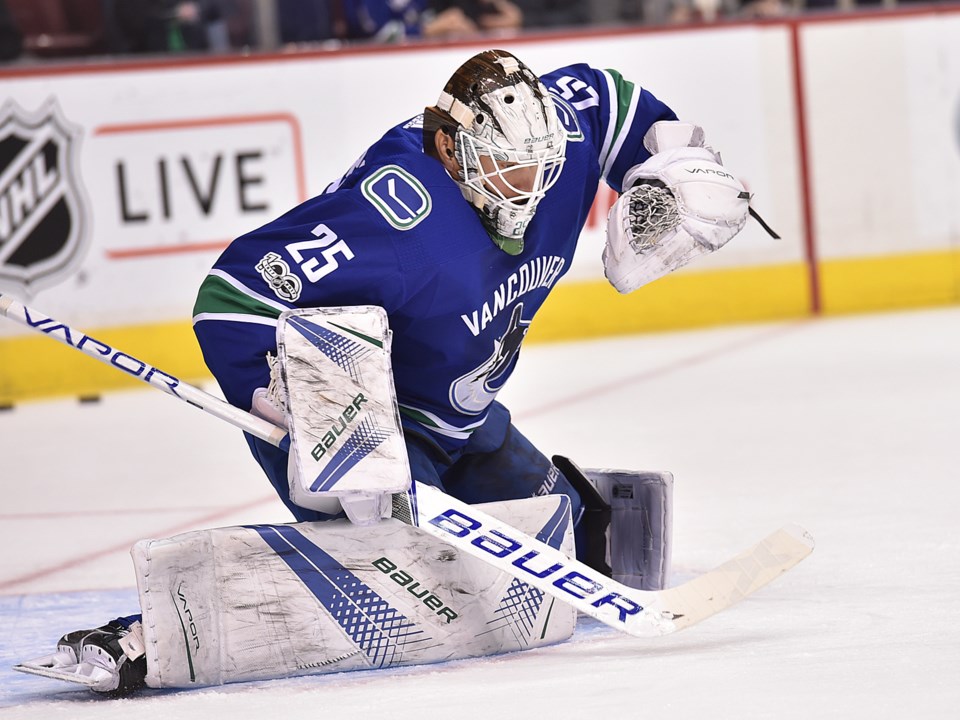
(568, 118)
(398, 196)
(576, 92)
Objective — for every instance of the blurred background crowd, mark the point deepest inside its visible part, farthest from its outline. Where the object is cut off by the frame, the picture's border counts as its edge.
(37, 29)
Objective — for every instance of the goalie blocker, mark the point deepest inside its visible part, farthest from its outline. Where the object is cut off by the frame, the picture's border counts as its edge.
(332, 388)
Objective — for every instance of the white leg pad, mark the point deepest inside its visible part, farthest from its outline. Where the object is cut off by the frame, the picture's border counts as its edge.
(270, 601)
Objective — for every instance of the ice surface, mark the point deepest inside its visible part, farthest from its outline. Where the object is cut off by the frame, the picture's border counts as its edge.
(849, 426)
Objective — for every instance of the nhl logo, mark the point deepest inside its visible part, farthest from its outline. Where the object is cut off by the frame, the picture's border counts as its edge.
(42, 227)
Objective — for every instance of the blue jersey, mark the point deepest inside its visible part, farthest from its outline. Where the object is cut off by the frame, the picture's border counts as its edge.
(396, 232)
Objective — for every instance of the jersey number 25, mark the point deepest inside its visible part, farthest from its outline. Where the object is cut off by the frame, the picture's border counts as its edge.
(314, 268)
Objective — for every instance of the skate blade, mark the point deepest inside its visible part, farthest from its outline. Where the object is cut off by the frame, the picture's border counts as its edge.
(69, 673)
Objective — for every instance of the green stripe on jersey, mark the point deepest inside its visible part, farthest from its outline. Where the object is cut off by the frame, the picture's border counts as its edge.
(625, 90)
(218, 296)
(417, 416)
(437, 425)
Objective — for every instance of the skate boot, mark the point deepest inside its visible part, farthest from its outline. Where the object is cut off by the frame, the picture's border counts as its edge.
(109, 659)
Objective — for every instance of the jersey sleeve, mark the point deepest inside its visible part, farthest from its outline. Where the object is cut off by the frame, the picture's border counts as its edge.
(612, 113)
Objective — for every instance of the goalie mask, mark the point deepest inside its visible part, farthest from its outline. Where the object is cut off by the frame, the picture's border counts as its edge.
(509, 141)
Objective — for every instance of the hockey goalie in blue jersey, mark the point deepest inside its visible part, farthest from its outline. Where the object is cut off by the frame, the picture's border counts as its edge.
(458, 223)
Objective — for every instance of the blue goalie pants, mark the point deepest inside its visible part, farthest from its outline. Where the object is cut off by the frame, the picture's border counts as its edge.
(497, 463)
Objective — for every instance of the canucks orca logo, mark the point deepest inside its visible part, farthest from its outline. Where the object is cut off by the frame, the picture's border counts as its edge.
(42, 226)
(473, 392)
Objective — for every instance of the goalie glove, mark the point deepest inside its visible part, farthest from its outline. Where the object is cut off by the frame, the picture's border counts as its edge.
(683, 204)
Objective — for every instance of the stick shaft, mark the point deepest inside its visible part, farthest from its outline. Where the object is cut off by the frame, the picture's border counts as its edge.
(141, 370)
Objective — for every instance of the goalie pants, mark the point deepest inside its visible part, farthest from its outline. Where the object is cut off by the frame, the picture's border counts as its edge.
(497, 463)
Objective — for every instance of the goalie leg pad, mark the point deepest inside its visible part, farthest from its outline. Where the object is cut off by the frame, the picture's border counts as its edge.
(641, 525)
(627, 523)
(254, 603)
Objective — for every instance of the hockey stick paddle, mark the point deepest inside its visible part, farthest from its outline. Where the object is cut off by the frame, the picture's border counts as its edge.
(641, 613)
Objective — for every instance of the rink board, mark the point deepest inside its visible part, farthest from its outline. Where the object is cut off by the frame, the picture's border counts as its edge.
(846, 129)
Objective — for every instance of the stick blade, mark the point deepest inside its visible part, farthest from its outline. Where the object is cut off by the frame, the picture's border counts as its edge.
(694, 601)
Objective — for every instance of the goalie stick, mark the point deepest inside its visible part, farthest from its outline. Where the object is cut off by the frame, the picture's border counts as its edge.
(640, 613)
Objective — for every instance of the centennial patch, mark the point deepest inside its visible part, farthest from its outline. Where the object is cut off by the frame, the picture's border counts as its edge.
(276, 273)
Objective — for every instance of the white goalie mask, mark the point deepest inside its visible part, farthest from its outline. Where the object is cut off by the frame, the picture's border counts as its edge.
(509, 142)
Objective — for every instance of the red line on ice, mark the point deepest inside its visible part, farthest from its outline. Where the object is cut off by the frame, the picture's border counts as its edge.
(653, 373)
(125, 546)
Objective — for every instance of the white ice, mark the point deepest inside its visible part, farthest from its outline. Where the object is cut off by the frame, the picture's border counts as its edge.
(848, 426)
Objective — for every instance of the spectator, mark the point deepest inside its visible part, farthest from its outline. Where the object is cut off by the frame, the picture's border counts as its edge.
(380, 20)
(554, 13)
(11, 40)
(303, 21)
(453, 18)
(151, 26)
(238, 20)
(393, 20)
(760, 9)
(682, 12)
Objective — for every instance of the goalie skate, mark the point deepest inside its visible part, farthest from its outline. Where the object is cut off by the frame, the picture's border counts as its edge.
(108, 659)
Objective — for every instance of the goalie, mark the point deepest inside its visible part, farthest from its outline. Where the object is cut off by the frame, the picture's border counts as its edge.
(458, 223)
